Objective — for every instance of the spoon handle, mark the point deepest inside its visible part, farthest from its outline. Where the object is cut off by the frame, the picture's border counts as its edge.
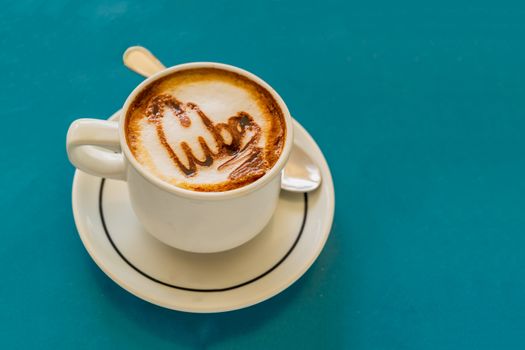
(141, 61)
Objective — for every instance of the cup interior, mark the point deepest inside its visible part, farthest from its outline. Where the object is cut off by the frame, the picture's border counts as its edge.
(257, 184)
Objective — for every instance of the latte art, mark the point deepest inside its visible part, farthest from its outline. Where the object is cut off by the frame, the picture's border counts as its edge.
(247, 156)
(206, 130)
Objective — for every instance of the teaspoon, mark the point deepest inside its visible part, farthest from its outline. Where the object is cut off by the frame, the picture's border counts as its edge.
(300, 174)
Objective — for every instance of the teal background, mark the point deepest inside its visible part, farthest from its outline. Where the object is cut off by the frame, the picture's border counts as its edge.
(419, 108)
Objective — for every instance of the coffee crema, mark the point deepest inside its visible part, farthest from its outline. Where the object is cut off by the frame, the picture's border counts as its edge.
(206, 129)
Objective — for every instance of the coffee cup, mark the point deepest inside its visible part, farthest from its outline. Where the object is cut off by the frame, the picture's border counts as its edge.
(180, 213)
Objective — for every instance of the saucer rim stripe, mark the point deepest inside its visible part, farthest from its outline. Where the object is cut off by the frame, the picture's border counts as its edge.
(202, 290)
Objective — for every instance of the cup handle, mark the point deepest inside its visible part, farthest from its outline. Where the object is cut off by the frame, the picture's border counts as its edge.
(107, 159)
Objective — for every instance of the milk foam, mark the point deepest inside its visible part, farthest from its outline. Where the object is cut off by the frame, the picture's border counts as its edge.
(219, 100)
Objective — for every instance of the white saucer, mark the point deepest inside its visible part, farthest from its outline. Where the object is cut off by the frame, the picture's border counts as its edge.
(191, 282)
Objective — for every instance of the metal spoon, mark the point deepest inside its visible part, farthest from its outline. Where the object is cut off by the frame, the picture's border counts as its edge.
(300, 174)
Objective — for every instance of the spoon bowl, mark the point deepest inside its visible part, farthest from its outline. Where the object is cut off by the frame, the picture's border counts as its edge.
(300, 173)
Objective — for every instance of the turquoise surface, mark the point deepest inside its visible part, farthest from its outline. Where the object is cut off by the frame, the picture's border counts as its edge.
(419, 108)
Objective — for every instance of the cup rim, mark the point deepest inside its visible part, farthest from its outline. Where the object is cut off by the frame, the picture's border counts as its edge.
(240, 191)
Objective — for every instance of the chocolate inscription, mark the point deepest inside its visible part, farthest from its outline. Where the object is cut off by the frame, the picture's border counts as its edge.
(245, 157)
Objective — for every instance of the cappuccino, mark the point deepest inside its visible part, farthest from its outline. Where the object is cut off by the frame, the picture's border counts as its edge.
(206, 129)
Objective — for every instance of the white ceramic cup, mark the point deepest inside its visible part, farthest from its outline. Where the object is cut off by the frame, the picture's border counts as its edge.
(202, 222)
